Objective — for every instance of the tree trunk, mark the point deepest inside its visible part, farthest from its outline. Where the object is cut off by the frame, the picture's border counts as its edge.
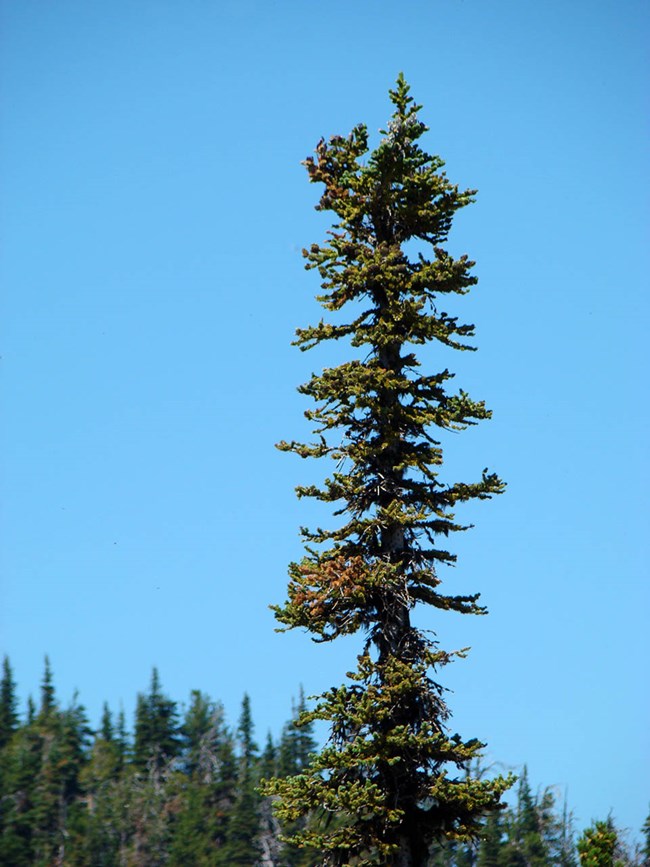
(411, 854)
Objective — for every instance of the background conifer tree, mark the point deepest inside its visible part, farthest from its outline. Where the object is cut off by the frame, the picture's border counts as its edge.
(20, 764)
(645, 850)
(391, 777)
(208, 786)
(98, 828)
(31, 709)
(44, 762)
(597, 846)
(48, 699)
(566, 850)
(297, 744)
(491, 844)
(8, 703)
(242, 844)
(269, 758)
(106, 727)
(157, 738)
(526, 846)
(297, 741)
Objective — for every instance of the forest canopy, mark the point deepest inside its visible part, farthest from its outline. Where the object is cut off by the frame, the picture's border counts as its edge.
(177, 786)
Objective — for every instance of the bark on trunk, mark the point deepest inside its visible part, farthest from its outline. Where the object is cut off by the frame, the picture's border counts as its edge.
(409, 857)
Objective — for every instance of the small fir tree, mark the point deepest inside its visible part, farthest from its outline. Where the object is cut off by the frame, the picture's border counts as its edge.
(491, 843)
(97, 838)
(20, 764)
(8, 704)
(527, 844)
(31, 709)
(269, 759)
(392, 778)
(645, 850)
(297, 741)
(242, 844)
(201, 736)
(48, 698)
(208, 786)
(296, 747)
(566, 852)
(597, 845)
(55, 788)
(121, 738)
(106, 727)
(157, 738)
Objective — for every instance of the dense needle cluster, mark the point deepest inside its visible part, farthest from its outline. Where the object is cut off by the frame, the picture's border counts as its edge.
(391, 781)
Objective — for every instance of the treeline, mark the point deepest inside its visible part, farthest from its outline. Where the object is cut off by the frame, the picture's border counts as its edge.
(180, 788)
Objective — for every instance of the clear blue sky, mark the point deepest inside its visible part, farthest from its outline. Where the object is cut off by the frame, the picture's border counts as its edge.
(153, 213)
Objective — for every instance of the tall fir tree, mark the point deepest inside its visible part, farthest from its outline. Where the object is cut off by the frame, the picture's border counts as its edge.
(392, 778)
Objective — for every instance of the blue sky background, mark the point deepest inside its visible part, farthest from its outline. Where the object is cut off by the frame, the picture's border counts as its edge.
(154, 209)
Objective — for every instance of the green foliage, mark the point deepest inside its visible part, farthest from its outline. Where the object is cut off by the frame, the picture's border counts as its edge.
(597, 846)
(391, 777)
